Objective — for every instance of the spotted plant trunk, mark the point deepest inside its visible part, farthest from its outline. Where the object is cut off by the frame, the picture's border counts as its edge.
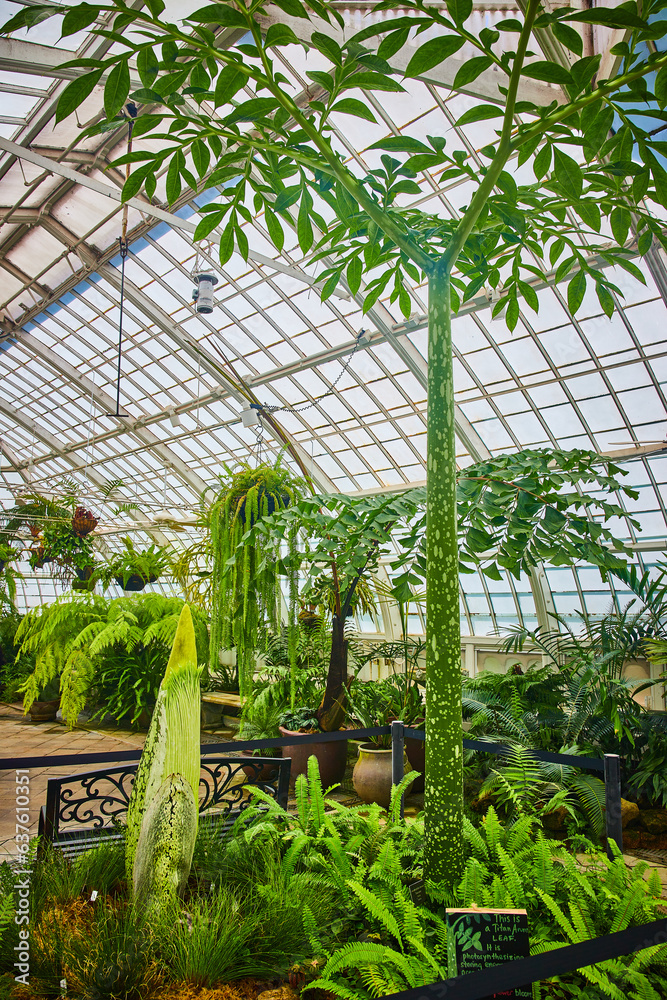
(443, 794)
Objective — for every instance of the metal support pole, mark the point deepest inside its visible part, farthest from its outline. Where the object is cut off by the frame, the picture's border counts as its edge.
(397, 749)
(612, 799)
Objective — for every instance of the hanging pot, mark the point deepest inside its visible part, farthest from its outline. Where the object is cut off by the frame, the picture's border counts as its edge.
(134, 582)
(83, 526)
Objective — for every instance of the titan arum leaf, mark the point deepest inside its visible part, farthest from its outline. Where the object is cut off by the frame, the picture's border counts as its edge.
(172, 743)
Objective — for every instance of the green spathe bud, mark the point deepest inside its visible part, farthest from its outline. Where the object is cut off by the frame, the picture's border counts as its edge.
(166, 844)
(172, 743)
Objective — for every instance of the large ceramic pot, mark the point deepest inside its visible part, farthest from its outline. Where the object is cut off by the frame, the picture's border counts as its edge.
(44, 711)
(331, 757)
(372, 775)
(415, 751)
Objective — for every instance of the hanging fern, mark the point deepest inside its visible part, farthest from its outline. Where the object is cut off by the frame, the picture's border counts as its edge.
(245, 586)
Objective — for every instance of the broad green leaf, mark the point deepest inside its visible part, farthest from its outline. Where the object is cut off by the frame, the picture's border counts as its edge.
(620, 220)
(432, 53)
(133, 184)
(173, 185)
(145, 123)
(354, 274)
(229, 82)
(280, 34)
(292, 7)
(471, 70)
(567, 173)
(304, 229)
(373, 81)
(351, 106)
(659, 179)
(660, 89)
(206, 225)
(542, 162)
(640, 184)
(201, 157)
(615, 17)
(324, 80)
(75, 94)
(393, 43)
(595, 131)
(605, 298)
(328, 47)
(330, 285)
(401, 144)
(289, 196)
(227, 242)
(481, 113)
(249, 111)
(147, 66)
(222, 14)
(588, 211)
(512, 314)
(242, 242)
(529, 294)
(156, 7)
(78, 18)
(28, 18)
(568, 37)
(275, 228)
(117, 88)
(576, 290)
(459, 10)
(549, 72)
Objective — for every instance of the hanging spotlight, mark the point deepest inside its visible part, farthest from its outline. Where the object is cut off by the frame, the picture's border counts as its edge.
(203, 294)
(250, 417)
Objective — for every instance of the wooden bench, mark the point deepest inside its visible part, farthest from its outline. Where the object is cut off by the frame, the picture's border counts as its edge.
(85, 810)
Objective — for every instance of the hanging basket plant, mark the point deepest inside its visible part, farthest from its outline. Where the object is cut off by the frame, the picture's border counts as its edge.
(245, 579)
(83, 522)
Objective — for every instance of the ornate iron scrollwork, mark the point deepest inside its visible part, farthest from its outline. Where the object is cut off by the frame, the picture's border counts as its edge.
(97, 800)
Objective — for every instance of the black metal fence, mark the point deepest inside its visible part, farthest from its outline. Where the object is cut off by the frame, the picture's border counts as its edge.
(493, 980)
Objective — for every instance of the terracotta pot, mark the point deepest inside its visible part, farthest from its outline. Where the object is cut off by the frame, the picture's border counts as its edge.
(44, 711)
(266, 773)
(331, 757)
(372, 775)
(415, 751)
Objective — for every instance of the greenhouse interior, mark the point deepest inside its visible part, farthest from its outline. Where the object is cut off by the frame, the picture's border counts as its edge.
(333, 482)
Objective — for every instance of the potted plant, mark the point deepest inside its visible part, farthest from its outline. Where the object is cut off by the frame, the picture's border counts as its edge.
(371, 704)
(83, 521)
(331, 755)
(45, 708)
(132, 568)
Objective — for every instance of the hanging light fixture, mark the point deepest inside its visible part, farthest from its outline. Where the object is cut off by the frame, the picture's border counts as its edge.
(202, 295)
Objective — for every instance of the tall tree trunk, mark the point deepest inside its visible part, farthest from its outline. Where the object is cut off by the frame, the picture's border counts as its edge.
(443, 795)
(331, 712)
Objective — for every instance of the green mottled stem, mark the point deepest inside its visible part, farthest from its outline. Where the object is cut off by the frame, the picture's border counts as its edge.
(443, 795)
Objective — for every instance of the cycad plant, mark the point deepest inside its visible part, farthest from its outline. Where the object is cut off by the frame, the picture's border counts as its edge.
(245, 588)
(111, 653)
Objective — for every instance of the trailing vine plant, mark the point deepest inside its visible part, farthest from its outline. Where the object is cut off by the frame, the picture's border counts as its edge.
(245, 587)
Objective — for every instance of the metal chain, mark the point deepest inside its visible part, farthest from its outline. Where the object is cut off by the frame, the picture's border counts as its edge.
(307, 406)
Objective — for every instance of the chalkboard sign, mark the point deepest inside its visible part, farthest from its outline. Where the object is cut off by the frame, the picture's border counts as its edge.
(477, 939)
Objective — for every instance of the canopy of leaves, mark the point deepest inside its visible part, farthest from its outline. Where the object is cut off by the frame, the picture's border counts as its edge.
(271, 152)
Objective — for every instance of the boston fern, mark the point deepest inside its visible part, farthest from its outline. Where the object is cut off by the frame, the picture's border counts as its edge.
(569, 899)
(112, 653)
